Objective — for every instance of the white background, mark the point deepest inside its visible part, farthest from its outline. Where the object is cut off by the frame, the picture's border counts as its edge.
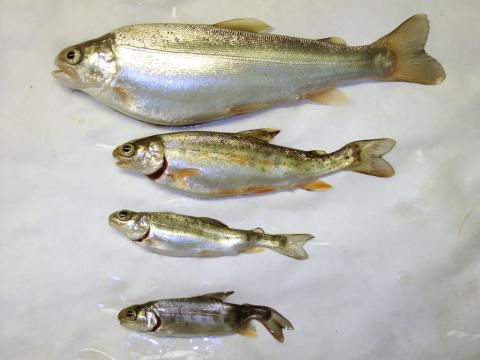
(393, 271)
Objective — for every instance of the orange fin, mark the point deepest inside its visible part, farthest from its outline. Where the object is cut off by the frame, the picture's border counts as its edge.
(254, 250)
(248, 331)
(331, 96)
(334, 40)
(246, 24)
(265, 135)
(180, 175)
(123, 95)
(317, 185)
(247, 108)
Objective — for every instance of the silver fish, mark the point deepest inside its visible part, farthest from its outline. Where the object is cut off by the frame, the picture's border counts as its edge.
(181, 235)
(178, 74)
(206, 315)
(213, 164)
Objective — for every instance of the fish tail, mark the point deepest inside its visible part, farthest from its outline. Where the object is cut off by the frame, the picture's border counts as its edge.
(408, 60)
(366, 156)
(273, 321)
(290, 245)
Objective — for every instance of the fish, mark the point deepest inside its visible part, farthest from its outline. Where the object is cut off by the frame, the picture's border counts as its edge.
(205, 315)
(172, 234)
(208, 164)
(184, 74)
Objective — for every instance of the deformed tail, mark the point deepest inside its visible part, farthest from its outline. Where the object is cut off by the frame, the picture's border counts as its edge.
(410, 62)
(367, 156)
(291, 245)
(270, 318)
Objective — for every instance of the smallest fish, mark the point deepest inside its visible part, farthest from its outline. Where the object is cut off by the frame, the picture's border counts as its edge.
(205, 315)
(172, 234)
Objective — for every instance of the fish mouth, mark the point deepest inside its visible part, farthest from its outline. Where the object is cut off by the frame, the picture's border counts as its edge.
(122, 163)
(64, 73)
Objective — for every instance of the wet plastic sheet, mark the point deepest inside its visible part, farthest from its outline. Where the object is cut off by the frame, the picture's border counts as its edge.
(393, 269)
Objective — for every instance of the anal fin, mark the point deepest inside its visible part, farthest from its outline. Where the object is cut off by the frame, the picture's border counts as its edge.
(317, 185)
(331, 96)
(253, 250)
(248, 330)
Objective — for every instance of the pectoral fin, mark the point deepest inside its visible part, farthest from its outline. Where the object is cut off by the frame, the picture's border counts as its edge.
(334, 40)
(246, 24)
(265, 135)
(331, 96)
(317, 185)
(219, 295)
(180, 175)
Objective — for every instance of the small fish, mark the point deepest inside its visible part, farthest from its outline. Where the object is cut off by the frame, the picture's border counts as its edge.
(206, 315)
(181, 235)
(180, 74)
(213, 164)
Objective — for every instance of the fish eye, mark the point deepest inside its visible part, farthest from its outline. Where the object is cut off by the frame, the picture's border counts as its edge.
(73, 56)
(130, 315)
(124, 215)
(128, 150)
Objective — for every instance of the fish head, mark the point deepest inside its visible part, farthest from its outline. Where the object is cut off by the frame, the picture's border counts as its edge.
(130, 223)
(87, 66)
(145, 156)
(139, 318)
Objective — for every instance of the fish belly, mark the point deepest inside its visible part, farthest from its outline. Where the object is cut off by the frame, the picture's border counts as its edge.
(230, 173)
(191, 243)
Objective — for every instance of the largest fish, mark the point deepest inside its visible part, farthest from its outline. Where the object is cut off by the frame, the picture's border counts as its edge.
(178, 74)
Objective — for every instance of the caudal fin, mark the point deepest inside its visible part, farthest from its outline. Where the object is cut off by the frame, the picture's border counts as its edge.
(368, 157)
(291, 245)
(410, 62)
(270, 318)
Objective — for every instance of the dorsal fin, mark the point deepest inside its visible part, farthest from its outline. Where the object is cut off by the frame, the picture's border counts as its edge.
(317, 152)
(334, 40)
(265, 135)
(246, 24)
(213, 221)
(219, 295)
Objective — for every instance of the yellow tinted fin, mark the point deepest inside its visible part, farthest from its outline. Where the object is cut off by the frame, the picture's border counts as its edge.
(406, 53)
(254, 250)
(247, 108)
(317, 185)
(179, 175)
(334, 40)
(265, 135)
(331, 96)
(219, 295)
(248, 330)
(247, 24)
